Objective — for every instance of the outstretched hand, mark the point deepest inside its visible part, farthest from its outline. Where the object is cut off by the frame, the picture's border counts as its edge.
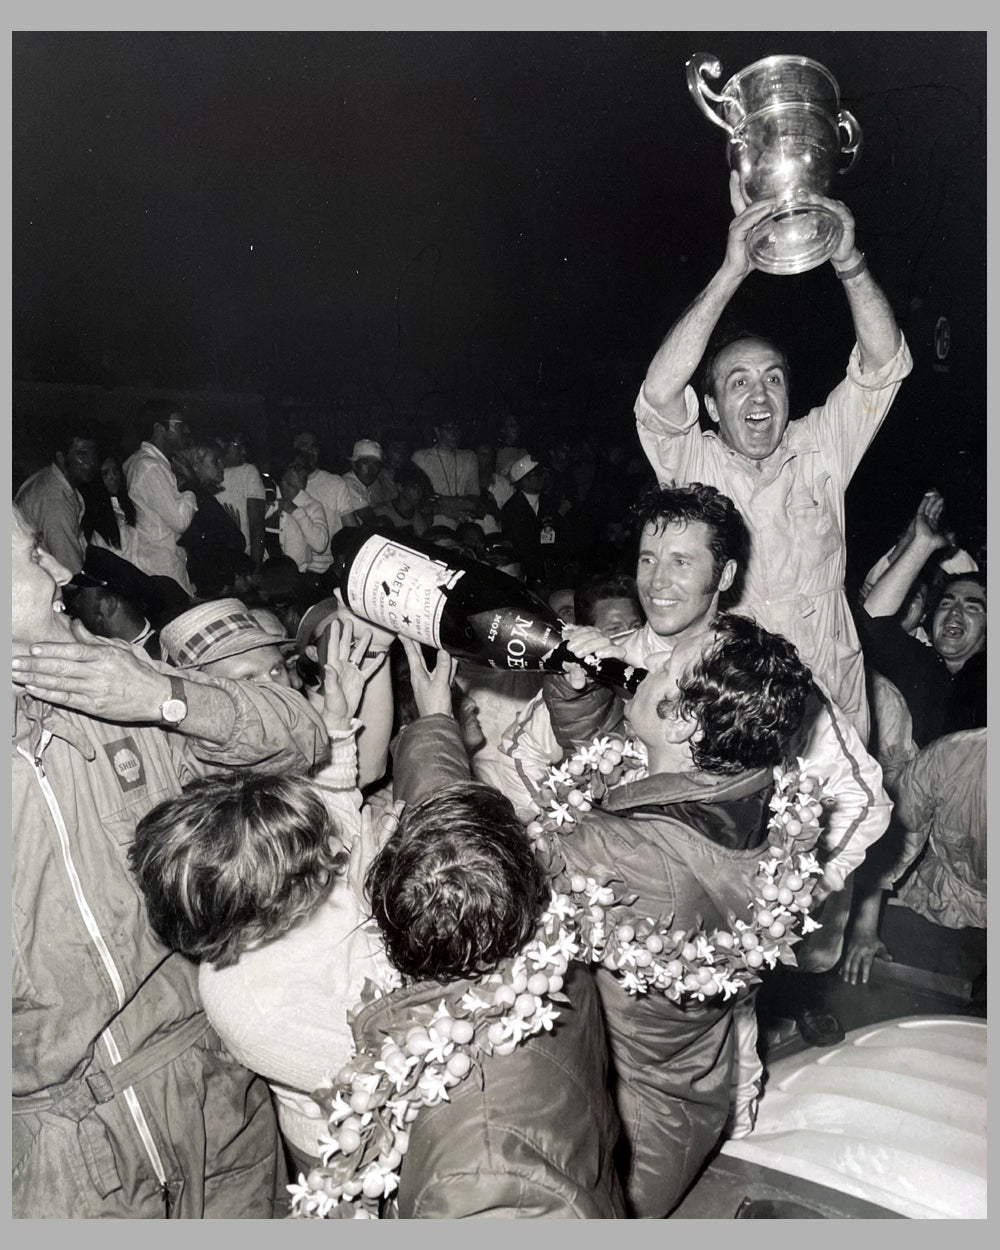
(927, 521)
(96, 676)
(346, 673)
(431, 690)
(366, 844)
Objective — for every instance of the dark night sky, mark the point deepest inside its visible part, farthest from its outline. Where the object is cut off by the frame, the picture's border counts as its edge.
(403, 221)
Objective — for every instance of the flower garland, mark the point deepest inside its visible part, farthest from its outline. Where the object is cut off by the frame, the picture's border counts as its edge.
(376, 1096)
(647, 953)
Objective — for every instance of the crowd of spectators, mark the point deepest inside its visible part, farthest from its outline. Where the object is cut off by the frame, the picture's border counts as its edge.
(212, 867)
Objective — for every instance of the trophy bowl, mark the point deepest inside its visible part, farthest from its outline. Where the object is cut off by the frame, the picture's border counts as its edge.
(788, 137)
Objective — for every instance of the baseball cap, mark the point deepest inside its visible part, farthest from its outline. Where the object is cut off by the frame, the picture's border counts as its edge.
(366, 448)
(521, 468)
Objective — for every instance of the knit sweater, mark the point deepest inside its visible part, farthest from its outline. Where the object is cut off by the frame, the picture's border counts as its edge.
(281, 1009)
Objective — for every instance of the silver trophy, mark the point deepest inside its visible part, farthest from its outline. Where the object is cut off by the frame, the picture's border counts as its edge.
(788, 136)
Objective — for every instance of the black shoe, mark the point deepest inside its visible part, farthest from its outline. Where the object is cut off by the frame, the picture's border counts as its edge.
(819, 1028)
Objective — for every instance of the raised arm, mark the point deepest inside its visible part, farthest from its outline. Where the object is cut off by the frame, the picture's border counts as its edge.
(229, 722)
(875, 325)
(429, 753)
(307, 513)
(921, 540)
(673, 366)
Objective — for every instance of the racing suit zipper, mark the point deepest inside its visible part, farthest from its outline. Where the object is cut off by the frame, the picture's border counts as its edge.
(90, 921)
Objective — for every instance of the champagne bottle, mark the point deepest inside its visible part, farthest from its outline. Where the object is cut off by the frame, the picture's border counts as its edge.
(455, 604)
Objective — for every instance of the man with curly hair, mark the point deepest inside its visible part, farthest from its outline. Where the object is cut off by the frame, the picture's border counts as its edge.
(715, 717)
(456, 891)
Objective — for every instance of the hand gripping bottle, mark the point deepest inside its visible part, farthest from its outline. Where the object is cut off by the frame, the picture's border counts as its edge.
(458, 605)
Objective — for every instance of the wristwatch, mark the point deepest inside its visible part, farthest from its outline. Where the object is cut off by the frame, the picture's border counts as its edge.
(174, 709)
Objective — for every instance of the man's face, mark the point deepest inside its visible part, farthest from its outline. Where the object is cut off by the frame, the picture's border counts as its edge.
(653, 713)
(958, 630)
(234, 452)
(510, 432)
(469, 723)
(261, 665)
(176, 434)
(293, 480)
(307, 445)
(617, 618)
(210, 469)
(448, 434)
(532, 482)
(366, 469)
(750, 403)
(675, 580)
(486, 455)
(414, 494)
(563, 604)
(37, 613)
(79, 462)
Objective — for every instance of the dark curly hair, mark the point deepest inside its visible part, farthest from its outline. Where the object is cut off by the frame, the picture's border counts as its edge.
(748, 696)
(730, 539)
(457, 888)
(234, 861)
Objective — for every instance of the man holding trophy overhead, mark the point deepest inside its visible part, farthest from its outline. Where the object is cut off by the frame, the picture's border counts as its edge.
(788, 481)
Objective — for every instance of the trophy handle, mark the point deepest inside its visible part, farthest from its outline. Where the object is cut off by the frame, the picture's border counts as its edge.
(696, 66)
(848, 124)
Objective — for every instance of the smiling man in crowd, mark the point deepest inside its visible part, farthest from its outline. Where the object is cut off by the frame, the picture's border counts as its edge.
(50, 499)
(787, 480)
(944, 685)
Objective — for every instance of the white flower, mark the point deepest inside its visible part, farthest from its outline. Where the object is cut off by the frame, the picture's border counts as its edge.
(440, 1047)
(600, 895)
(517, 1028)
(560, 813)
(809, 925)
(704, 948)
(395, 1063)
(561, 775)
(545, 1016)
(471, 1001)
(308, 1202)
(397, 1108)
(328, 1146)
(432, 1087)
(561, 908)
(633, 983)
(595, 752)
(341, 1107)
(779, 803)
(299, 1190)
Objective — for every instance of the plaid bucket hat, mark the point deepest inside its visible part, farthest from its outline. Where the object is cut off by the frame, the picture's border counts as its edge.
(214, 631)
